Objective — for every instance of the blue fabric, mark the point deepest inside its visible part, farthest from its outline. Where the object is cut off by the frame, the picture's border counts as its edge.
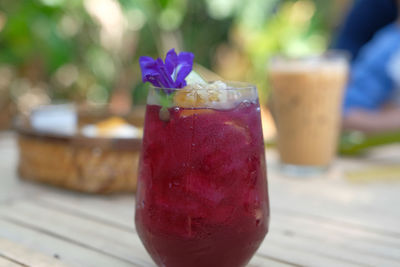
(370, 84)
(365, 18)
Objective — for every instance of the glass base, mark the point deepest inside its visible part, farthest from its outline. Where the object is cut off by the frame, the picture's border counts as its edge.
(302, 170)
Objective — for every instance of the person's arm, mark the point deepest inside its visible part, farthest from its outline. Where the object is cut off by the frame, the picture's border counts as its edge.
(373, 122)
(365, 18)
(372, 86)
(369, 88)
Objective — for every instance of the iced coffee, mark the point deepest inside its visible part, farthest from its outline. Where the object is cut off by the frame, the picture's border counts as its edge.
(306, 103)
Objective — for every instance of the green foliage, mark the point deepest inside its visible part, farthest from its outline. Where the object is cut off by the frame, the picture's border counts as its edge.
(83, 49)
(203, 34)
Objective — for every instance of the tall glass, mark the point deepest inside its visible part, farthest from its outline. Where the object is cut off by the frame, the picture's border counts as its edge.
(306, 103)
(202, 197)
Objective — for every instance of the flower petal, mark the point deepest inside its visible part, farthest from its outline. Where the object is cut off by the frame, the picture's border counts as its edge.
(172, 74)
(171, 61)
(179, 66)
(184, 68)
(165, 77)
(150, 70)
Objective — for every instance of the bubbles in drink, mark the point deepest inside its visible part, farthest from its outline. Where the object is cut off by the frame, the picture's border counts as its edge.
(204, 181)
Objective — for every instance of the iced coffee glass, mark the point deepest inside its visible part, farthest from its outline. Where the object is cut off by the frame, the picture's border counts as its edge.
(306, 102)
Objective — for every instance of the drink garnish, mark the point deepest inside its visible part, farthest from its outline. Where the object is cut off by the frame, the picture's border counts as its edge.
(175, 72)
(169, 74)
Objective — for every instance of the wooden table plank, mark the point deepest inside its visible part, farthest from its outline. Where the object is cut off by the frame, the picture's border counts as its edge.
(5, 262)
(325, 248)
(10, 186)
(71, 253)
(299, 257)
(266, 261)
(358, 241)
(349, 212)
(332, 198)
(25, 257)
(72, 206)
(115, 210)
(351, 232)
(131, 248)
(321, 221)
(94, 235)
(84, 206)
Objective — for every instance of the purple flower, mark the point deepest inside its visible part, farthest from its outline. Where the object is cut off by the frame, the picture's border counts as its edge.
(170, 74)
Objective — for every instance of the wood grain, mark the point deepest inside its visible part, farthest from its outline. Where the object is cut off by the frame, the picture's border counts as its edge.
(319, 221)
(19, 255)
(5, 262)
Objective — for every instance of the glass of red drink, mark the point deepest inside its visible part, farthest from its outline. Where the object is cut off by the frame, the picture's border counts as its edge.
(202, 197)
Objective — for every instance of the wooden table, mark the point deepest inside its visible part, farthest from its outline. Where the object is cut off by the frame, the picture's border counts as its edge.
(320, 221)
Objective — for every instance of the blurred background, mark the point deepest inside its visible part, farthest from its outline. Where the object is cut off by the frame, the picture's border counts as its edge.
(87, 51)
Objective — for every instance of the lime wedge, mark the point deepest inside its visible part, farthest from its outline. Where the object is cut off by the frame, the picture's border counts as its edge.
(195, 78)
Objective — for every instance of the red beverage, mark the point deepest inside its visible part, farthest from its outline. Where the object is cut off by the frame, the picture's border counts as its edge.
(202, 197)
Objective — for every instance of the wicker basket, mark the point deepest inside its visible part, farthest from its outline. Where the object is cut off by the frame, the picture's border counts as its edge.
(93, 165)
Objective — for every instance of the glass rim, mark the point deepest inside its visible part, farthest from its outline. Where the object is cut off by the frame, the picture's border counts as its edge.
(326, 56)
(232, 86)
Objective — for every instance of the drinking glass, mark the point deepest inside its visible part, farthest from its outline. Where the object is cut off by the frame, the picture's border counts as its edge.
(202, 197)
(307, 97)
